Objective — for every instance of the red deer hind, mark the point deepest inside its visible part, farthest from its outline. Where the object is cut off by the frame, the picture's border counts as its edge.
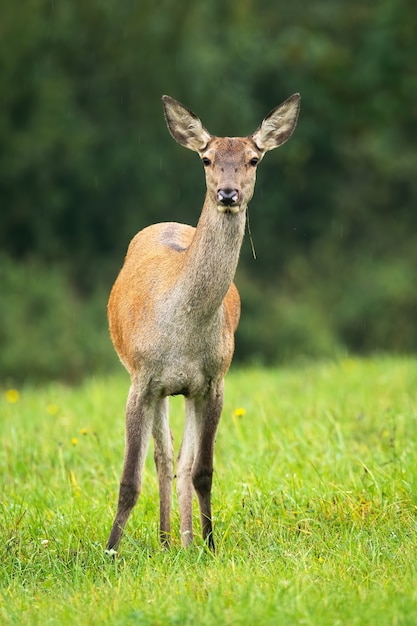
(173, 312)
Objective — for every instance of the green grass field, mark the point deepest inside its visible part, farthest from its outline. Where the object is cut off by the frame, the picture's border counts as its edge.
(314, 499)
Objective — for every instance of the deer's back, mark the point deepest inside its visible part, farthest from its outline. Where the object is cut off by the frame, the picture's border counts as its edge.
(150, 324)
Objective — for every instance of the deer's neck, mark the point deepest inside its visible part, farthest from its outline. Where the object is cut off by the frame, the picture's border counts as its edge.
(212, 258)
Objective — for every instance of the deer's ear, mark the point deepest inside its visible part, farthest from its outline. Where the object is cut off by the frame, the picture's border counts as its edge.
(278, 125)
(184, 125)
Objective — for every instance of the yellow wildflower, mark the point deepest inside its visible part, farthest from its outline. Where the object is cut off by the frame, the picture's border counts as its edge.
(74, 441)
(12, 396)
(240, 412)
(83, 431)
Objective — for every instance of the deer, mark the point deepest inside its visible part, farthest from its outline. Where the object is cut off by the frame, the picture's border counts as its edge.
(173, 312)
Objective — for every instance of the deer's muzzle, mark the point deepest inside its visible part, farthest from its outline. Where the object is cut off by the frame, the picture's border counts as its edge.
(228, 197)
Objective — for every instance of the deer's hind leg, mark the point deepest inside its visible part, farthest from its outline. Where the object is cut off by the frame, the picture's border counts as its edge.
(185, 491)
(164, 461)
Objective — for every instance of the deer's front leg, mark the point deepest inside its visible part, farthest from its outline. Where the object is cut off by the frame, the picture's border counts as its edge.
(208, 411)
(139, 420)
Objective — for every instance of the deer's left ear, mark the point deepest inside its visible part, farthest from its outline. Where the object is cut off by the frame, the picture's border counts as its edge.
(278, 125)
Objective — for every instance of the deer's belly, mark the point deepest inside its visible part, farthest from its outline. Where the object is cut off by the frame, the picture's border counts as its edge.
(187, 379)
(177, 374)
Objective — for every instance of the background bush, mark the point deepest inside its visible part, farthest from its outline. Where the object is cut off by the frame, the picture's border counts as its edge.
(47, 331)
(86, 161)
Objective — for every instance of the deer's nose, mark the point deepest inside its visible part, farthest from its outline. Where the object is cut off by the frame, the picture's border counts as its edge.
(227, 197)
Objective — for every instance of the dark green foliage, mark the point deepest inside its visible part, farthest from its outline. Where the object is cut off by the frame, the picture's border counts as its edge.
(86, 161)
(46, 330)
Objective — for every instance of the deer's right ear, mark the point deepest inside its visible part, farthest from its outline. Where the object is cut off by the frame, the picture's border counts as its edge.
(184, 125)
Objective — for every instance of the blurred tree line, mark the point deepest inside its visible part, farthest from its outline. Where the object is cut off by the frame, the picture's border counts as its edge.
(86, 161)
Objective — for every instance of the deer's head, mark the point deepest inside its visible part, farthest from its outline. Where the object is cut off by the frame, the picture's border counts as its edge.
(230, 162)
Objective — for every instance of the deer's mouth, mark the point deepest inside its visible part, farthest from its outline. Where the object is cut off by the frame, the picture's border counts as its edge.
(229, 210)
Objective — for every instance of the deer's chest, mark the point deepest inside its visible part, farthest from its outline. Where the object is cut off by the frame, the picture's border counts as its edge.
(187, 363)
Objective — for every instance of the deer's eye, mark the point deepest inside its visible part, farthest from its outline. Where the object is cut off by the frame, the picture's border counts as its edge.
(206, 161)
(254, 161)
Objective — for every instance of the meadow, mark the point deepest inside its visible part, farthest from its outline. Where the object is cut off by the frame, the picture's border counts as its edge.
(314, 502)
